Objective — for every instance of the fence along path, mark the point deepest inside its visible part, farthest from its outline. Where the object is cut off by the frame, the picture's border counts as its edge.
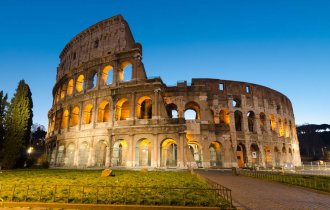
(252, 193)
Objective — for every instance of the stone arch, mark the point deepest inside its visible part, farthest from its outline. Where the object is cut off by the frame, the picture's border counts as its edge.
(262, 122)
(224, 117)
(255, 154)
(63, 91)
(88, 114)
(280, 127)
(122, 109)
(251, 121)
(272, 121)
(70, 87)
(126, 71)
(215, 150)
(119, 153)
(143, 153)
(107, 75)
(168, 153)
(194, 107)
(238, 120)
(284, 155)
(172, 110)
(83, 154)
(144, 108)
(100, 153)
(196, 152)
(74, 117)
(241, 155)
(80, 84)
(268, 156)
(237, 103)
(277, 157)
(69, 154)
(92, 80)
(103, 113)
(57, 95)
(65, 119)
(60, 155)
(286, 128)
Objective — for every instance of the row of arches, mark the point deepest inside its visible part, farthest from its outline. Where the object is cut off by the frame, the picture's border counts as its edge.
(122, 112)
(91, 79)
(84, 155)
(272, 157)
(284, 128)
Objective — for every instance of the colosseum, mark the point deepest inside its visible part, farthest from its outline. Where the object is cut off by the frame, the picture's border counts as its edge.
(106, 112)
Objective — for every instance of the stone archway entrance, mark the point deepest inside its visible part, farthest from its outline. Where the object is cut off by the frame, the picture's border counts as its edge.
(215, 154)
(241, 155)
(169, 153)
(119, 153)
(143, 153)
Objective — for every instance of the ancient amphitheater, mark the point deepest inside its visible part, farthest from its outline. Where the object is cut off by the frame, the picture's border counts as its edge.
(106, 112)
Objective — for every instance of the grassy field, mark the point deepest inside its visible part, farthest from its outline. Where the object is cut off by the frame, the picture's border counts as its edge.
(126, 187)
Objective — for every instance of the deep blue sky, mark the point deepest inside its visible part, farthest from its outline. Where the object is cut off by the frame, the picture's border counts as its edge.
(281, 44)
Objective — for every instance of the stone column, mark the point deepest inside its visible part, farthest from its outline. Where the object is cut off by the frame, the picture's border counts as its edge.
(155, 110)
(132, 105)
(154, 153)
(80, 114)
(94, 113)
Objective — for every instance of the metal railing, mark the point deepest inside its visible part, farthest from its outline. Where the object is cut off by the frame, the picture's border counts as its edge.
(224, 192)
(115, 195)
(313, 182)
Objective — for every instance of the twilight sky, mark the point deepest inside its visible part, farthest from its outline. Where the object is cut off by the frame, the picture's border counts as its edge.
(282, 44)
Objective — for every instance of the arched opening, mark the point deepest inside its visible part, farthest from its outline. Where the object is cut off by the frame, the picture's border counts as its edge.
(255, 153)
(60, 155)
(172, 110)
(57, 95)
(168, 153)
(63, 91)
(100, 153)
(262, 122)
(122, 109)
(286, 128)
(236, 103)
(126, 70)
(107, 74)
(144, 108)
(70, 87)
(74, 116)
(272, 122)
(251, 121)
(80, 83)
(143, 153)
(93, 80)
(87, 119)
(103, 113)
(119, 153)
(65, 119)
(70, 152)
(241, 155)
(215, 154)
(192, 111)
(196, 152)
(83, 154)
(280, 127)
(224, 117)
(277, 155)
(58, 120)
(284, 156)
(238, 120)
(290, 155)
(268, 156)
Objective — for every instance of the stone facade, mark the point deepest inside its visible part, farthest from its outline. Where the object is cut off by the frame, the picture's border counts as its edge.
(107, 112)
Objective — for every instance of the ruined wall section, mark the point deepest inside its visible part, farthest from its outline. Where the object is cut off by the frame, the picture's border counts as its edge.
(106, 38)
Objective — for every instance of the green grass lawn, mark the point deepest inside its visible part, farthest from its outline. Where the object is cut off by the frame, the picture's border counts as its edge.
(126, 187)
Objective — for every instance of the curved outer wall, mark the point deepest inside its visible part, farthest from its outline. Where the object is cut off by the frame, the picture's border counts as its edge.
(106, 112)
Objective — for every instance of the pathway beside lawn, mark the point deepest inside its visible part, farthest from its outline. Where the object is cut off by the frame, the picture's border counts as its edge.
(252, 193)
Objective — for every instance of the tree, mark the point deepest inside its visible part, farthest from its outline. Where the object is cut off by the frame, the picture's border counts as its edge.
(3, 109)
(18, 126)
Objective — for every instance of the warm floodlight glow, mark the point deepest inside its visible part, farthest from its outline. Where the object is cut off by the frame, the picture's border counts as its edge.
(29, 150)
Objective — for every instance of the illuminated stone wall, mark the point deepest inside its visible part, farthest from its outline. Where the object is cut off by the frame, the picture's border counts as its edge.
(106, 112)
